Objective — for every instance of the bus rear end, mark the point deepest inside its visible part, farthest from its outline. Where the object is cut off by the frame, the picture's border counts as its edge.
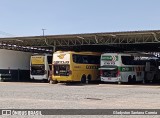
(109, 70)
(37, 68)
(110, 74)
(61, 67)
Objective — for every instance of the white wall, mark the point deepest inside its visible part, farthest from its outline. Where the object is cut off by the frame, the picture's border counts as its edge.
(14, 59)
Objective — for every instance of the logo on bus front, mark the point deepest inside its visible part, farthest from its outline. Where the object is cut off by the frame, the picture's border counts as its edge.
(61, 56)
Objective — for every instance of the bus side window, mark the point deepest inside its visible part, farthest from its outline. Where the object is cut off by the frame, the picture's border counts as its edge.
(85, 59)
(74, 58)
(77, 58)
(128, 60)
(94, 60)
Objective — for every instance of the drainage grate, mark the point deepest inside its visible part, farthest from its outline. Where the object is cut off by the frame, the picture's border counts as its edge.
(93, 98)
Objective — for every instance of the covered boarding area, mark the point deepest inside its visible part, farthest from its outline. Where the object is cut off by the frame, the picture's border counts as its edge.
(145, 41)
(130, 41)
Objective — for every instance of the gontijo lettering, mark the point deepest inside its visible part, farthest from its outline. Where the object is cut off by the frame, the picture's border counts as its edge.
(92, 67)
(61, 62)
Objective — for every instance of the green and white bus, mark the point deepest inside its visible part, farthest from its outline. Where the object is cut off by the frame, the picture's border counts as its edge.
(125, 67)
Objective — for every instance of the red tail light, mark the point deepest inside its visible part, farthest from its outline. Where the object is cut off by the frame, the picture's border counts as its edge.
(118, 73)
(70, 72)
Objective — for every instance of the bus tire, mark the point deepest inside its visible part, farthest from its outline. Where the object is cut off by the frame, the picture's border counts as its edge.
(89, 78)
(83, 79)
(134, 79)
(129, 79)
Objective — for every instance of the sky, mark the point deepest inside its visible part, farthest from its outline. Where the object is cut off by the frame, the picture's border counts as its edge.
(29, 17)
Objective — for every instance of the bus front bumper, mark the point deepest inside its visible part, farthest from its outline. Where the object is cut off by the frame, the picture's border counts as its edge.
(111, 79)
(62, 78)
(37, 77)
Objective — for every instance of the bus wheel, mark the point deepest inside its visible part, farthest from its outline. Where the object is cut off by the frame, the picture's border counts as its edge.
(129, 79)
(134, 79)
(89, 79)
(83, 79)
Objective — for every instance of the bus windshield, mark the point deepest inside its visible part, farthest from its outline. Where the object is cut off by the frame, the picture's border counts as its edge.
(38, 69)
(128, 60)
(109, 73)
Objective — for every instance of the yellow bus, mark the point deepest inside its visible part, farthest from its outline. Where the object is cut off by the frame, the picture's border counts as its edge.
(70, 66)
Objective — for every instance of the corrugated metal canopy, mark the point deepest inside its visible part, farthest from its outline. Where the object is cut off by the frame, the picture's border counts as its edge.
(126, 39)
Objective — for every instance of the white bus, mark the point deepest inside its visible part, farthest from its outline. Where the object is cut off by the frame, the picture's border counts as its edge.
(126, 67)
(40, 66)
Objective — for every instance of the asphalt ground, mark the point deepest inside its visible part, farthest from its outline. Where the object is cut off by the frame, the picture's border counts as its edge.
(21, 95)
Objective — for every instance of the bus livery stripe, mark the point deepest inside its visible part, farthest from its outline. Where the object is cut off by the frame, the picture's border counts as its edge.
(128, 69)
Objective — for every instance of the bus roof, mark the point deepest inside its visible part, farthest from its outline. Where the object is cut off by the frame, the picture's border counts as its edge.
(132, 54)
(38, 54)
